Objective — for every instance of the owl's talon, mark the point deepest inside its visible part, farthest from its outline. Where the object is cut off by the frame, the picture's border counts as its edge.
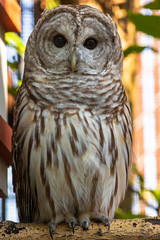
(73, 225)
(51, 232)
(108, 223)
(105, 220)
(52, 227)
(71, 222)
(84, 221)
(85, 224)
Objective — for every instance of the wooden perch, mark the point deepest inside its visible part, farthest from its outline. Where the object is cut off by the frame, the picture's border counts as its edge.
(126, 229)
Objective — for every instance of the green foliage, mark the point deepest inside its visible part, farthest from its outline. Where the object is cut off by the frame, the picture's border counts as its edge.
(156, 195)
(13, 91)
(149, 24)
(13, 65)
(145, 23)
(127, 215)
(14, 40)
(144, 194)
(52, 4)
(140, 176)
(153, 5)
(136, 49)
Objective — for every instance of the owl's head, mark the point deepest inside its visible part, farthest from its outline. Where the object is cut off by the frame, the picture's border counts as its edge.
(74, 40)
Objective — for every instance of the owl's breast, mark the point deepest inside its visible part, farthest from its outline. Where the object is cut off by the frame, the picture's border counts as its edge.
(72, 146)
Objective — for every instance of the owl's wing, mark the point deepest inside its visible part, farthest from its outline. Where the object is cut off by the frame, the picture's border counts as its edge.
(26, 201)
(116, 142)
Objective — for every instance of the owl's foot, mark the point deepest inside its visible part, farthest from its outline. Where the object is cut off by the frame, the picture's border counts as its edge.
(52, 227)
(71, 222)
(84, 221)
(103, 219)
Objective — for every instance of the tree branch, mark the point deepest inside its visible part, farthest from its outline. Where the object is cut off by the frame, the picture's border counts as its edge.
(126, 229)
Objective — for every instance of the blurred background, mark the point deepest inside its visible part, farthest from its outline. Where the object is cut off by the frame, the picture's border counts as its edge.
(138, 23)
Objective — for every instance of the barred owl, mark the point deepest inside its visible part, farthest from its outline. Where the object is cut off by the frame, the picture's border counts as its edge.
(72, 133)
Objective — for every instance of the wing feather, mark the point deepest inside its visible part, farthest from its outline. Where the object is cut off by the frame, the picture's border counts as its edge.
(26, 201)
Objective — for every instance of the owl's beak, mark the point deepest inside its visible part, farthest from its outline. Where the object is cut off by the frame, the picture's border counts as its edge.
(73, 62)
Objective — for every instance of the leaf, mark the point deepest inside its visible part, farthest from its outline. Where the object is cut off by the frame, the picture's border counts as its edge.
(13, 65)
(136, 49)
(156, 194)
(19, 83)
(147, 24)
(12, 91)
(135, 170)
(153, 5)
(127, 215)
(14, 40)
(52, 4)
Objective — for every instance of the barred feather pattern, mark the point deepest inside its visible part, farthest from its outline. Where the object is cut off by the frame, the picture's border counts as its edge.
(72, 140)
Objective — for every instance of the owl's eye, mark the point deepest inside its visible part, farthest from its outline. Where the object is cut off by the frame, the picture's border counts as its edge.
(90, 43)
(59, 41)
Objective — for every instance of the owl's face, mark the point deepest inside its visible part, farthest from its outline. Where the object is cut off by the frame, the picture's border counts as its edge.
(75, 40)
